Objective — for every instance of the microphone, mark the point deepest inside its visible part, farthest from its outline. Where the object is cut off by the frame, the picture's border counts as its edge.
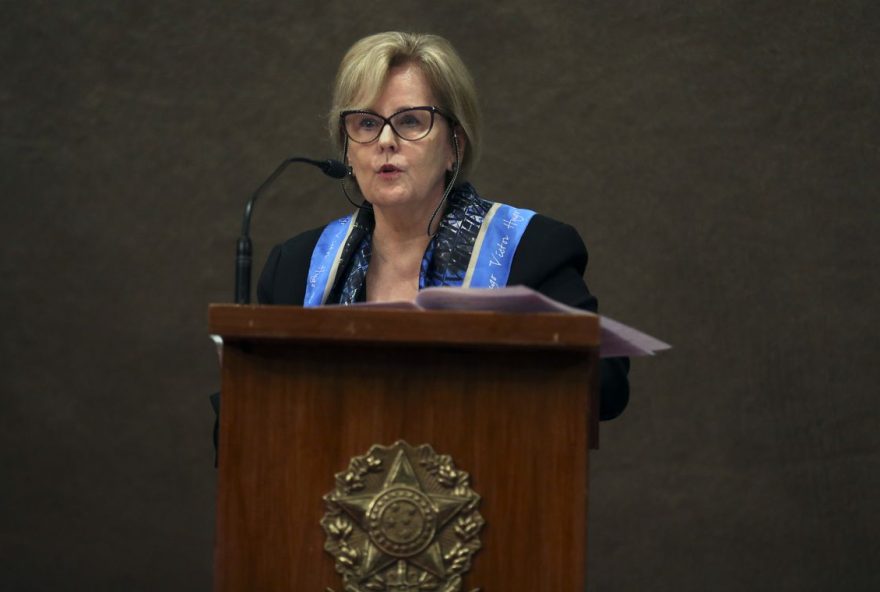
(331, 168)
(334, 168)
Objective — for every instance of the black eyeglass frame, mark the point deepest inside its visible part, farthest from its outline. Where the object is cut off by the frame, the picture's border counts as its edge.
(387, 121)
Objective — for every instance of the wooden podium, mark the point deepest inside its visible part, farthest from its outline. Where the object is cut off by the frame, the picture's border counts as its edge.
(506, 396)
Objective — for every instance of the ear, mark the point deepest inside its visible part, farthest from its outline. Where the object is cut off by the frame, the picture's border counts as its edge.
(345, 158)
(458, 136)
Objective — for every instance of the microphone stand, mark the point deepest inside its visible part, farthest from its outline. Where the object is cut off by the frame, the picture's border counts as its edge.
(243, 250)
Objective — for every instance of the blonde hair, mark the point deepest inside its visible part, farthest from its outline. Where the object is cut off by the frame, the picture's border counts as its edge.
(365, 68)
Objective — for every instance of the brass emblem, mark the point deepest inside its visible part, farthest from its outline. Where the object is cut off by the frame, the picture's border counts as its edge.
(402, 519)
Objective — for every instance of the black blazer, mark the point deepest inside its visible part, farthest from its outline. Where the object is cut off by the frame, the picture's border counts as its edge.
(551, 258)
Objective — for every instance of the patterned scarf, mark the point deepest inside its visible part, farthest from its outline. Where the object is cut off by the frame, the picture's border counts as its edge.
(446, 258)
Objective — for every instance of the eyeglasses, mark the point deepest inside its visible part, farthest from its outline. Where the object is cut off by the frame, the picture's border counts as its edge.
(410, 124)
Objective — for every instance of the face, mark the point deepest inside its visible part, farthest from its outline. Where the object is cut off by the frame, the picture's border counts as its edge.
(392, 172)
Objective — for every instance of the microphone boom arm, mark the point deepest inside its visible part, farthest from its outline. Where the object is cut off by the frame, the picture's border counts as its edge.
(243, 251)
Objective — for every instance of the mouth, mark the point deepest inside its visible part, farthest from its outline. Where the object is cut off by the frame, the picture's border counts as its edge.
(388, 169)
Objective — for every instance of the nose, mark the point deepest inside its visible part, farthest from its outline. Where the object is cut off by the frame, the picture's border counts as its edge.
(387, 138)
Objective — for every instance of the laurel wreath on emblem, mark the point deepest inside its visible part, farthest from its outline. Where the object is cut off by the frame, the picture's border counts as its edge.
(402, 519)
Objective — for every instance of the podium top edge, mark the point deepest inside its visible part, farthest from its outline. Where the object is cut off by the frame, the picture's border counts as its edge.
(340, 325)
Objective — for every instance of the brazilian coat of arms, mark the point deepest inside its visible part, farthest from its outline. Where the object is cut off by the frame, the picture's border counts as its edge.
(402, 519)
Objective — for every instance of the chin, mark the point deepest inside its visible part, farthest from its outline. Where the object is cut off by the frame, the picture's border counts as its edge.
(392, 196)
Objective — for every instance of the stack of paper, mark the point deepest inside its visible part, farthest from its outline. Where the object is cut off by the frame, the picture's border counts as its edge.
(617, 339)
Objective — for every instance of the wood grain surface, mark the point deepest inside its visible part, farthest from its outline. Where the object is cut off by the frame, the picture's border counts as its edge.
(294, 414)
(413, 327)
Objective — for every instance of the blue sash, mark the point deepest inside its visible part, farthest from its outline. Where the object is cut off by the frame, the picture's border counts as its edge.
(326, 259)
(471, 258)
(496, 244)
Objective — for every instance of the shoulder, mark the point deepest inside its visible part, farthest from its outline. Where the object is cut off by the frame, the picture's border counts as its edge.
(547, 242)
(548, 245)
(551, 258)
(284, 275)
(301, 245)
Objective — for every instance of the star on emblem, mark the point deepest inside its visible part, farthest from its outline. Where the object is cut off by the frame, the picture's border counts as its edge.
(402, 518)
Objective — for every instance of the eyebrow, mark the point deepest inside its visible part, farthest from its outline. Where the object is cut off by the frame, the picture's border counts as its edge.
(397, 110)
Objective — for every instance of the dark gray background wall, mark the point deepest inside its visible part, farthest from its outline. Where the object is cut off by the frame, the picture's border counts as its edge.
(720, 158)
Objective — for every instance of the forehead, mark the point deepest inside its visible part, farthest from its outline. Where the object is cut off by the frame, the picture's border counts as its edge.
(405, 86)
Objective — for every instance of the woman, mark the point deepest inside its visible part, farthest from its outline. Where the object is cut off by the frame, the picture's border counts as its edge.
(405, 119)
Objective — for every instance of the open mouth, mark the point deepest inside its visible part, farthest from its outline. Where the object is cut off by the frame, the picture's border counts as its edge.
(388, 168)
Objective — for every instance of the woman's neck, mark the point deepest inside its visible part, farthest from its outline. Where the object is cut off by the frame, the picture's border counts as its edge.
(398, 230)
(398, 247)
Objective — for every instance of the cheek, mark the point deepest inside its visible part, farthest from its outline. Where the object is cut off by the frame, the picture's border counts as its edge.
(447, 155)
(357, 160)
(438, 158)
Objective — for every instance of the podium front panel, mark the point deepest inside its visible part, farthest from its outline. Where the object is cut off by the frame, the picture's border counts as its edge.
(294, 414)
